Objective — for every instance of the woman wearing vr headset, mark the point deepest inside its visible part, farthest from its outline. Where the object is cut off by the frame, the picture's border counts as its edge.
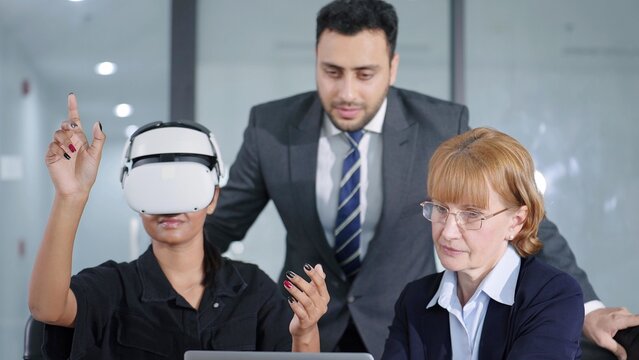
(180, 294)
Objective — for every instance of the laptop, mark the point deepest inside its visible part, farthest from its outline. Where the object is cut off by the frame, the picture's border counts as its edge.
(268, 355)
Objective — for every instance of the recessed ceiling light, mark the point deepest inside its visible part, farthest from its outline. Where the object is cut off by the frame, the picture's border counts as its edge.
(123, 110)
(106, 68)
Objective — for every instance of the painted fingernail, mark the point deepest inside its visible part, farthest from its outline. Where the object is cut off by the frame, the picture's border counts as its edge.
(66, 156)
(100, 124)
(308, 267)
(291, 300)
(73, 126)
(288, 284)
(290, 274)
(72, 148)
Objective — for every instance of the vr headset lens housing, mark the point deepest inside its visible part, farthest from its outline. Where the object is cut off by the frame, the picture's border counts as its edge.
(170, 168)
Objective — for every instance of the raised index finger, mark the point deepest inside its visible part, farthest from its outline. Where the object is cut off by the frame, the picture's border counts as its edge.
(72, 105)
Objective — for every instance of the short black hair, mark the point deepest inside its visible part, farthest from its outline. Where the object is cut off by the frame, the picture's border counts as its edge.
(349, 17)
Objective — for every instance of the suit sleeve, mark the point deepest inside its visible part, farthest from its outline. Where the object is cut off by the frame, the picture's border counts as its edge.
(551, 324)
(244, 196)
(557, 253)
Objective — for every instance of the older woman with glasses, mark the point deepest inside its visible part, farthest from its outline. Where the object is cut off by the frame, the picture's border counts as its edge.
(494, 300)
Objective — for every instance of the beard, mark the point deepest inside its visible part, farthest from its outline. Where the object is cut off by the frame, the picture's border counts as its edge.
(353, 124)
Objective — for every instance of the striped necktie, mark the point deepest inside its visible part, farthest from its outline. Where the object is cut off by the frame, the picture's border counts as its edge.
(348, 226)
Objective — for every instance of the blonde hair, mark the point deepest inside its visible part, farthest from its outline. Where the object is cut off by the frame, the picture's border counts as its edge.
(463, 167)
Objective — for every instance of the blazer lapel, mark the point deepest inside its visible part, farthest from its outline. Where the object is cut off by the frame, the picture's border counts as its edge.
(494, 331)
(435, 328)
(303, 139)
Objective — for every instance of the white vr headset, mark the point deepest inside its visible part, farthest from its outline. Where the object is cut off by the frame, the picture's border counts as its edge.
(171, 168)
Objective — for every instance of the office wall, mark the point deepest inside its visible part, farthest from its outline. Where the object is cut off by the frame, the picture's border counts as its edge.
(23, 188)
(563, 78)
(28, 120)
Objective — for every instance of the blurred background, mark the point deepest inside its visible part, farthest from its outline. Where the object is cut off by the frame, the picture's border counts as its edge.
(560, 76)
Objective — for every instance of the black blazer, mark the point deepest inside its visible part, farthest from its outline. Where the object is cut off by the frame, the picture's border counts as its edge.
(544, 321)
(278, 161)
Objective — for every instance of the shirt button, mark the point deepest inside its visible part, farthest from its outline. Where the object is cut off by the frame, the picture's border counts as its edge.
(350, 299)
(216, 305)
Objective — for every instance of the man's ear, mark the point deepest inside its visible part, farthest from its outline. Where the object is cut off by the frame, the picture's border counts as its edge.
(394, 64)
(211, 208)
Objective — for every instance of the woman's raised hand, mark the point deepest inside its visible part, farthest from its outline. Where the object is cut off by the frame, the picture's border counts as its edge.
(71, 160)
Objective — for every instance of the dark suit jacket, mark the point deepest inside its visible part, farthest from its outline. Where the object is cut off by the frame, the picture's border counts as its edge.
(278, 161)
(544, 321)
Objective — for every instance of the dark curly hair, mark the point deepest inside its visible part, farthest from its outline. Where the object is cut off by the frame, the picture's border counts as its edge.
(349, 17)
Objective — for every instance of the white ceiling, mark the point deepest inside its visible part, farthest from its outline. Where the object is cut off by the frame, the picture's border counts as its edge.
(64, 40)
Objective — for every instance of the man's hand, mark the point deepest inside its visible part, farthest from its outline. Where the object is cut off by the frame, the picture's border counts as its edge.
(602, 324)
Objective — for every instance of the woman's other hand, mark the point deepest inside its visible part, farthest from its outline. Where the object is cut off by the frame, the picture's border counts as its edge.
(309, 301)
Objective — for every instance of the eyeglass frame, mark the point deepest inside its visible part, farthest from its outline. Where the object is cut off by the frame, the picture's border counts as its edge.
(457, 214)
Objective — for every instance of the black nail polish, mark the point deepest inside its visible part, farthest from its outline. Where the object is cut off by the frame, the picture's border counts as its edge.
(308, 267)
(71, 93)
(291, 300)
(99, 123)
(290, 274)
(73, 126)
(66, 156)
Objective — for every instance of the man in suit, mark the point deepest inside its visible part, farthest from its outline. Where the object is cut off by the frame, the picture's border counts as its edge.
(308, 152)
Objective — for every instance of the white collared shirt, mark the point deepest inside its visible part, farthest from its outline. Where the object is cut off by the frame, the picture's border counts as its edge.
(466, 323)
(331, 151)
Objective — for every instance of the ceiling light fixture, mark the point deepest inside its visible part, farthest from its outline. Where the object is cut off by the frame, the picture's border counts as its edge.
(106, 68)
(123, 110)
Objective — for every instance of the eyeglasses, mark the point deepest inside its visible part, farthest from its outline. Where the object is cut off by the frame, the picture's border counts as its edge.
(466, 219)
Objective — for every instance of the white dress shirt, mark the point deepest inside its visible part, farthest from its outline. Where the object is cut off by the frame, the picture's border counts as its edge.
(331, 151)
(466, 323)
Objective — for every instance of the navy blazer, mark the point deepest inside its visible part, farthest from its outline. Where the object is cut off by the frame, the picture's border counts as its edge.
(544, 321)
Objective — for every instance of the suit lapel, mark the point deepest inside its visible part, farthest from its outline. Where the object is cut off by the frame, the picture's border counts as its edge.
(303, 139)
(398, 141)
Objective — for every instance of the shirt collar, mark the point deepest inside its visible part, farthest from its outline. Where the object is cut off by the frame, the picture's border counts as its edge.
(446, 289)
(228, 280)
(499, 284)
(156, 287)
(374, 126)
